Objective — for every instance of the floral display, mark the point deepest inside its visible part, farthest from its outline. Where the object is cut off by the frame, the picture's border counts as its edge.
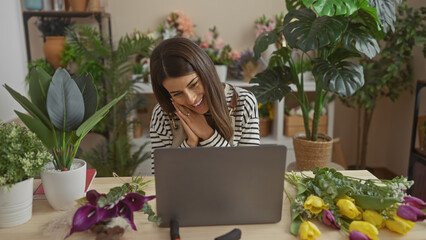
(359, 207)
(100, 212)
(22, 154)
(176, 24)
(262, 24)
(217, 49)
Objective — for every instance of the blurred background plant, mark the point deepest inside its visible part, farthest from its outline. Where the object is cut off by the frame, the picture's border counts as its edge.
(42, 63)
(53, 26)
(176, 24)
(388, 74)
(114, 65)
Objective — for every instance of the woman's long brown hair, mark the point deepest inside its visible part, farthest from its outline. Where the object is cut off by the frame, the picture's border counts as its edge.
(177, 57)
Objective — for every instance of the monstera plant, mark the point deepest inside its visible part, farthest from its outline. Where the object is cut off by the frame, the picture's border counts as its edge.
(328, 33)
(61, 112)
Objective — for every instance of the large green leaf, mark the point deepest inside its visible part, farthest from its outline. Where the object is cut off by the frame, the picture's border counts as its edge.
(32, 109)
(362, 40)
(263, 41)
(38, 87)
(36, 126)
(333, 7)
(303, 30)
(90, 94)
(273, 84)
(65, 103)
(373, 202)
(95, 118)
(385, 12)
(293, 4)
(343, 78)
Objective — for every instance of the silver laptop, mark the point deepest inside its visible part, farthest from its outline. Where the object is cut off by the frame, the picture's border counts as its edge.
(220, 186)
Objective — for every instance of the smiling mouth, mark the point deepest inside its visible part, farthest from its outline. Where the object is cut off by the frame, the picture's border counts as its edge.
(199, 103)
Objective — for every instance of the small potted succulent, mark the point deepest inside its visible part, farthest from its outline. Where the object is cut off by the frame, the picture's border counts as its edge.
(22, 157)
(62, 111)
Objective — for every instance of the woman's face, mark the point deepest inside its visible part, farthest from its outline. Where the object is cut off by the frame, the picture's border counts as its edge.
(187, 91)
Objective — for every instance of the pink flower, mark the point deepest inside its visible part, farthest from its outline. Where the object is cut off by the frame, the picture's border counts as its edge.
(328, 219)
(209, 36)
(235, 55)
(410, 213)
(357, 235)
(415, 202)
(204, 44)
(219, 43)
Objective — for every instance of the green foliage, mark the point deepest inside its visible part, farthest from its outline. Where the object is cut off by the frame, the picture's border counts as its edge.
(336, 31)
(22, 155)
(62, 111)
(41, 62)
(53, 26)
(113, 66)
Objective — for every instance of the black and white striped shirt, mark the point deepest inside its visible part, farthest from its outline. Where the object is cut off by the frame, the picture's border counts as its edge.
(246, 129)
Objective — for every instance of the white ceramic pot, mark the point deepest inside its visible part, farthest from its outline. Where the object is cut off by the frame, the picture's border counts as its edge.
(16, 204)
(266, 55)
(222, 71)
(63, 188)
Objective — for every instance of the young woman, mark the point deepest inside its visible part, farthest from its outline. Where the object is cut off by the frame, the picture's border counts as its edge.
(195, 108)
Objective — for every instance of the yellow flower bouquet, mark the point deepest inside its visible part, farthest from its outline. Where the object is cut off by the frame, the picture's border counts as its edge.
(357, 206)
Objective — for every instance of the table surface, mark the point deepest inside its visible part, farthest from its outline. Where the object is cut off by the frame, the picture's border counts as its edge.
(43, 214)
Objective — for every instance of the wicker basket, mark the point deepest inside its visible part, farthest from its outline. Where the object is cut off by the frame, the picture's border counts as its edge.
(311, 154)
(264, 126)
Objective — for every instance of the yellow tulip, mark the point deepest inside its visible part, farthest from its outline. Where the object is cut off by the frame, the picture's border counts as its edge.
(309, 231)
(399, 225)
(365, 227)
(315, 204)
(348, 209)
(347, 198)
(374, 218)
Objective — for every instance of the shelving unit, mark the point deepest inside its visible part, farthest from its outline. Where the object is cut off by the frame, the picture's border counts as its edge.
(98, 16)
(277, 133)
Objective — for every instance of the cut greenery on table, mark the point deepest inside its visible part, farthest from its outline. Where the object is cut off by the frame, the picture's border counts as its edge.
(61, 112)
(359, 207)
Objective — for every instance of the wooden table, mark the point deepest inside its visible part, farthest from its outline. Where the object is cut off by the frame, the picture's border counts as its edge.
(43, 213)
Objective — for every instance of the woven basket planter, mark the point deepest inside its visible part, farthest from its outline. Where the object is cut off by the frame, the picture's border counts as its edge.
(264, 126)
(311, 154)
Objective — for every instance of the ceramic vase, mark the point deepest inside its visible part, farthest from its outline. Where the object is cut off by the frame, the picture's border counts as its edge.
(53, 46)
(78, 5)
(16, 203)
(222, 72)
(62, 188)
(33, 5)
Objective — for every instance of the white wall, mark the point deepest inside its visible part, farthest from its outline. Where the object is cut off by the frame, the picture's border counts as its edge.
(12, 57)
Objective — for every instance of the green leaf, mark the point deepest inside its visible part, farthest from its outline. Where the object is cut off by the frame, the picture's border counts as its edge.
(385, 12)
(295, 226)
(373, 202)
(301, 188)
(65, 103)
(38, 87)
(32, 109)
(364, 42)
(90, 94)
(333, 7)
(303, 30)
(95, 118)
(35, 125)
(263, 41)
(343, 78)
(273, 84)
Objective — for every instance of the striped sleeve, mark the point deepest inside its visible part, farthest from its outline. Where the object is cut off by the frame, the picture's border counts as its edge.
(250, 120)
(216, 140)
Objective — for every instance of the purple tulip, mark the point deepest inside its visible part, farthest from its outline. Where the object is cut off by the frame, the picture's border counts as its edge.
(93, 196)
(85, 217)
(415, 202)
(357, 235)
(328, 219)
(136, 201)
(125, 211)
(410, 213)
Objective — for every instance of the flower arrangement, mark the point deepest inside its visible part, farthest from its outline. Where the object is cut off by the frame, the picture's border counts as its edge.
(176, 24)
(22, 155)
(119, 202)
(357, 206)
(220, 52)
(262, 24)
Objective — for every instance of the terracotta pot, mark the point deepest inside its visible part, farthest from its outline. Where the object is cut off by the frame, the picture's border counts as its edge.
(311, 154)
(264, 126)
(78, 5)
(53, 46)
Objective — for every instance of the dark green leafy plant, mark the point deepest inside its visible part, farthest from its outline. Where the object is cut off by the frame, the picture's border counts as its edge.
(115, 66)
(336, 32)
(388, 74)
(53, 26)
(62, 111)
(41, 62)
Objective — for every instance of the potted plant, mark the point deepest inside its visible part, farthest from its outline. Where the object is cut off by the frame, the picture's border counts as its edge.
(62, 111)
(334, 33)
(22, 157)
(266, 115)
(53, 30)
(220, 53)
